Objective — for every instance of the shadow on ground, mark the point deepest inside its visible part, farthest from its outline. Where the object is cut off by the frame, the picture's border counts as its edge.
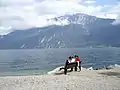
(62, 72)
(111, 74)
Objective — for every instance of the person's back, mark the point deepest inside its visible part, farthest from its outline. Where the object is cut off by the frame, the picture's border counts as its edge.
(69, 59)
(77, 58)
(73, 60)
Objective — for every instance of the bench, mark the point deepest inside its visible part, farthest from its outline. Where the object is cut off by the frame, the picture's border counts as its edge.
(68, 66)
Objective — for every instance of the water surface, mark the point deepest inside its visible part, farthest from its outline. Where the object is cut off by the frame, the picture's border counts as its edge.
(40, 61)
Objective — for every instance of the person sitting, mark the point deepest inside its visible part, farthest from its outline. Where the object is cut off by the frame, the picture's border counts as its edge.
(73, 60)
(70, 60)
(77, 58)
(70, 63)
(67, 62)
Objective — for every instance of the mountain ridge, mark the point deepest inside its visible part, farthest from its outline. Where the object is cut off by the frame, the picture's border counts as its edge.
(80, 31)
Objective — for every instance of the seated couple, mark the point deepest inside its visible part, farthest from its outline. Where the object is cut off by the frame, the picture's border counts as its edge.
(75, 59)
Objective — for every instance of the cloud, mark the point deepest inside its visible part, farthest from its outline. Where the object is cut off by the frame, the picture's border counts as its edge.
(90, 2)
(117, 21)
(23, 14)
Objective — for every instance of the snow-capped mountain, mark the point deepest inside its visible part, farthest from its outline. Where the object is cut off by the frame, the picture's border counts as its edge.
(81, 19)
(68, 31)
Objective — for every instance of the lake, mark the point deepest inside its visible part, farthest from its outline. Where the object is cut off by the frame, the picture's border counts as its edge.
(40, 61)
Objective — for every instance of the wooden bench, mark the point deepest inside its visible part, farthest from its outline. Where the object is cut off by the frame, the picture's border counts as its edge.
(68, 66)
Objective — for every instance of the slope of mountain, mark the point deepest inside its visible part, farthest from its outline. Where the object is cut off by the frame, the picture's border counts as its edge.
(78, 30)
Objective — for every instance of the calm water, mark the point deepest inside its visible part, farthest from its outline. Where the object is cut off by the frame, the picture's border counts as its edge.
(24, 62)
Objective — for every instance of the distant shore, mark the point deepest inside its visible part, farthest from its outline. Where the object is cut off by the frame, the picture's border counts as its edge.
(87, 79)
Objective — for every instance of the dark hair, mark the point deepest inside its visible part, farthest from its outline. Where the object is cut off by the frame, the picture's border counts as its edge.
(76, 56)
(70, 57)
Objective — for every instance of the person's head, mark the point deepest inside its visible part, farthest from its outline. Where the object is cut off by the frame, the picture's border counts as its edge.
(70, 57)
(75, 56)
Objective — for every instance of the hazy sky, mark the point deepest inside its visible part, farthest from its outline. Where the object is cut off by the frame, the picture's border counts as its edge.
(23, 14)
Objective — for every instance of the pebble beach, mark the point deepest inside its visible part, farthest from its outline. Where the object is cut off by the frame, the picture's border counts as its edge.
(56, 80)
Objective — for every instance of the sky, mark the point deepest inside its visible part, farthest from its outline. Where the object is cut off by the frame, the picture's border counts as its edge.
(24, 14)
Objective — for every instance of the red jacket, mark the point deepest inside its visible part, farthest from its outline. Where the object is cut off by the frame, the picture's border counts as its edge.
(78, 59)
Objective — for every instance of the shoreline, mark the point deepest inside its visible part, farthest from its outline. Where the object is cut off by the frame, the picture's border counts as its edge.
(84, 80)
(52, 71)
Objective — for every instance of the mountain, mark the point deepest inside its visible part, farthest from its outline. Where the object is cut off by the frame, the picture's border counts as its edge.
(68, 31)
